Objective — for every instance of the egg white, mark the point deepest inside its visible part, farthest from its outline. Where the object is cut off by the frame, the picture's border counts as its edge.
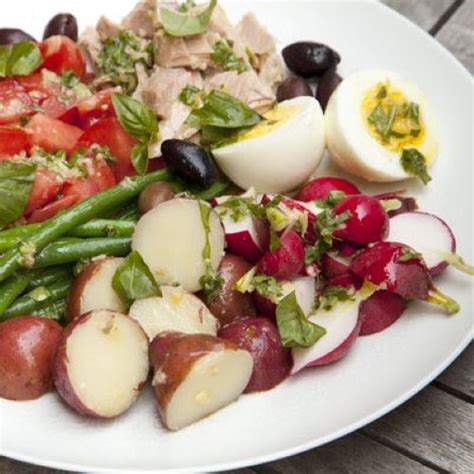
(348, 139)
(282, 159)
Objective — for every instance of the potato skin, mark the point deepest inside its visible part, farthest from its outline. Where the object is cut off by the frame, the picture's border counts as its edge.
(173, 355)
(260, 336)
(27, 345)
(74, 298)
(231, 304)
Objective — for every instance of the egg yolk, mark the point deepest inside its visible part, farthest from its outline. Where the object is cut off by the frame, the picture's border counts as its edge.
(272, 120)
(391, 119)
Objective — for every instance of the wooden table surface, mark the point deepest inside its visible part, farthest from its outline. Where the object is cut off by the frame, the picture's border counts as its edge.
(434, 431)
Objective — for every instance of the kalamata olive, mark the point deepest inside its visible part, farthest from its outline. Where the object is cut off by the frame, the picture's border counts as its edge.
(293, 87)
(189, 161)
(309, 59)
(63, 24)
(326, 86)
(154, 194)
(14, 35)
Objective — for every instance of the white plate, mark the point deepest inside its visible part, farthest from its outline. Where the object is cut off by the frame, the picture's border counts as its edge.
(321, 404)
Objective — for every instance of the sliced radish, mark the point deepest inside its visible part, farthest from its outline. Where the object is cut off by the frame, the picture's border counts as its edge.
(380, 311)
(429, 235)
(196, 375)
(305, 291)
(92, 289)
(175, 310)
(342, 324)
(171, 238)
(334, 264)
(101, 363)
(244, 236)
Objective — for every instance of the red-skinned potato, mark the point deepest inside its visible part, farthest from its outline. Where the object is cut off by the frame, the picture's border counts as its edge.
(101, 363)
(271, 361)
(27, 345)
(92, 289)
(196, 375)
(231, 304)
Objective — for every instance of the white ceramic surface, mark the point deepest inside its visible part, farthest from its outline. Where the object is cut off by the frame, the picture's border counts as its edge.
(322, 404)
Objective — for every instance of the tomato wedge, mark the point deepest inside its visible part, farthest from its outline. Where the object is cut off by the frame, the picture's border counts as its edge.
(61, 54)
(53, 134)
(108, 132)
(12, 142)
(96, 107)
(36, 88)
(15, 102)
(51, 209)
(46, 187)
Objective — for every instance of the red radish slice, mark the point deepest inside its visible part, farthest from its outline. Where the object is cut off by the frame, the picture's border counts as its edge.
(175, 310)
(101, 363)
(334, 264)
(431, 236)
(342, 324)
(380, 311)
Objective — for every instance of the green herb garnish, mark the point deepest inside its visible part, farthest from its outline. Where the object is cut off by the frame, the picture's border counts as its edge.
(295, 329)
(70, 79)
(224, 56)
(414, 163)
(186, 6)
(330, 296)
(133, 280)
(192, 96)
(141, 123)
(120, 55)
(177, 23)
(408, 254)
(20, 59)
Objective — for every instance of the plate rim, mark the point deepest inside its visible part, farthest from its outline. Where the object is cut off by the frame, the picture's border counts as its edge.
(322, 440)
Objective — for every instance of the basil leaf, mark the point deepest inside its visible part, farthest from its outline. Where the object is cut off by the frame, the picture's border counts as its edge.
(191, 96)
(223, 111)
(179, 24)
(20, 59)
(16, 180)
(414, 163)
(140, 158)
(295, 329)
(136, 118)
(224, 56)
(133, 280)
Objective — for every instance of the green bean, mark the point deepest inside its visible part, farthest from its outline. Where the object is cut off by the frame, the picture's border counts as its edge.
(48, 276)
(11, 237)
(37, 299)
(216, 189)
(54, 310)
(69, 219)
(10, 289)
(104, 228)
(60, 253)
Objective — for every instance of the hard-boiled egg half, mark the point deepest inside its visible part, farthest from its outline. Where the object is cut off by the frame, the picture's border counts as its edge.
(373, 119)
(279, 153)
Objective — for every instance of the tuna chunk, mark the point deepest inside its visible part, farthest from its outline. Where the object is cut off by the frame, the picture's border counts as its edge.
(91, 44)
(107, 28)
(253, 35)
(247, 87)
(142, 20)
(193, 52)
(271, 70)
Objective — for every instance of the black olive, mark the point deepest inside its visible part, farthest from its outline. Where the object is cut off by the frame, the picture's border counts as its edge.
(326, 86)
(189, 161)
(309, 59)
(14, 35)
(293, 87)
(63, 24)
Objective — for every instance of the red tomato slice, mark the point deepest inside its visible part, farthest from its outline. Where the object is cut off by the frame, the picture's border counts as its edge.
(14, 101)
(71, 116)
(100, 173)
(61, 54)
(51, 209)
(108, 132)
(96, 107)
(45, 188)
(53, 107)
(36, 88)
(53, 134)
(12, 142)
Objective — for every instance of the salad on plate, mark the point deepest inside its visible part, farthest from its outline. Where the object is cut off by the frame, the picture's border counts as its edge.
(163, 222)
